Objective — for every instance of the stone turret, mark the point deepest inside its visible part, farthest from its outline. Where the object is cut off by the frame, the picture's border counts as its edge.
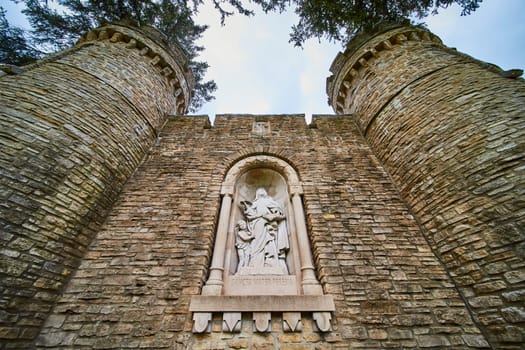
(450, 131)
(74, 127)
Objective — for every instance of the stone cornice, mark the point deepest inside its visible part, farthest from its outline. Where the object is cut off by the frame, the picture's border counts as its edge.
(260, 303)
(170, 60)
(346, 65)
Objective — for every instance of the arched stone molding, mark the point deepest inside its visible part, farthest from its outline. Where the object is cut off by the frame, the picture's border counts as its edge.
(230, 161)
(232, 288)
(263, 161)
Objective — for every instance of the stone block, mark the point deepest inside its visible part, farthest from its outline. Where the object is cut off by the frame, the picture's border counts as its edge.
(516, 276)
(380, 307)
(514, 314)
(485, 301)
(475, 341)
(290, 338)
(9, 332)
(429, 341)
(488, 287)
(263, 346)
(296, 347)
(516, 295)
(397, 333)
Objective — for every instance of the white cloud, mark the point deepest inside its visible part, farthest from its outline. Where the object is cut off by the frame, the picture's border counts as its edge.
(495, 32)
(258, 71)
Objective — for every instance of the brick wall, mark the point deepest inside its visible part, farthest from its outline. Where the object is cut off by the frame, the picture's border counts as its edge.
(134, 285)
(450, 131)
(73, 128)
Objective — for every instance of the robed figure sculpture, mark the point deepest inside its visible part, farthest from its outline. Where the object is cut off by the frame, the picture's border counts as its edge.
(262, 238)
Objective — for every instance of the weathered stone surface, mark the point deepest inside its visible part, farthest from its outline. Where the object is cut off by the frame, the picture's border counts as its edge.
(475, 341)
(432, 129)
(515, 276)
(514, 314)
(446, 127)
(168, 210)
(485, 301)
(516, 295)
(74, 127)
(432, 341)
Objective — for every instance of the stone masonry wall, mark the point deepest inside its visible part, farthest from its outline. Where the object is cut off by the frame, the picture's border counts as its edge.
(73, 128)
(134, 285)
(450, 131)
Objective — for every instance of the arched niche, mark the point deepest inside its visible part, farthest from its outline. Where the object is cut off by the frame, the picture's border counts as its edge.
(261, 263)
(262, 197)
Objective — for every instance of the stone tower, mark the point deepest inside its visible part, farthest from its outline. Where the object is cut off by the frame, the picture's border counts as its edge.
(393, 224)
(450, 132)
(74, 127)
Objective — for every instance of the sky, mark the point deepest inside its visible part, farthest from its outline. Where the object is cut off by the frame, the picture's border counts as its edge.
(259, 72)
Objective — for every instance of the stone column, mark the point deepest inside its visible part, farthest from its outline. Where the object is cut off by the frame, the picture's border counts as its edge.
(309, 282)
(215, 281)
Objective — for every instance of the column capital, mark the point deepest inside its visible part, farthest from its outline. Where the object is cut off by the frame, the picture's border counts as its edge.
(296, 189)
(227, 190)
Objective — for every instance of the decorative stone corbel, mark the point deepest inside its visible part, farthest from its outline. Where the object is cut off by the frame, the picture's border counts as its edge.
(92, 36)
(103, 35)
(131, 44)
(262, 321)
(232, 322)
(400, 38)
(322, 321)
(413, 36)
(387, 45)
(292, 322)
(117, 37)
(155, 60)
(167, 72)
(202, 322)
(363, 62)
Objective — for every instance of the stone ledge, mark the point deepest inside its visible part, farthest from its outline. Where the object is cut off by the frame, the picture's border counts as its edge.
(266, 303)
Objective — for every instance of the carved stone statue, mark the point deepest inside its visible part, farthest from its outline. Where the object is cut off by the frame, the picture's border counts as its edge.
(262, 249)
(242, 242)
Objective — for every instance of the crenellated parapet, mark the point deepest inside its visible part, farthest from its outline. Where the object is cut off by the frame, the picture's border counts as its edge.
(168, 58)
(359, 53)
(362, 52)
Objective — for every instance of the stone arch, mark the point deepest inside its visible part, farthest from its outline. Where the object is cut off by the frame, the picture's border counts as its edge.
(267, 161)
(231, 161)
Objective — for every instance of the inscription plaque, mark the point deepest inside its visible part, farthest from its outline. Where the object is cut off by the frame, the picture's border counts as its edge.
(261, 285)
